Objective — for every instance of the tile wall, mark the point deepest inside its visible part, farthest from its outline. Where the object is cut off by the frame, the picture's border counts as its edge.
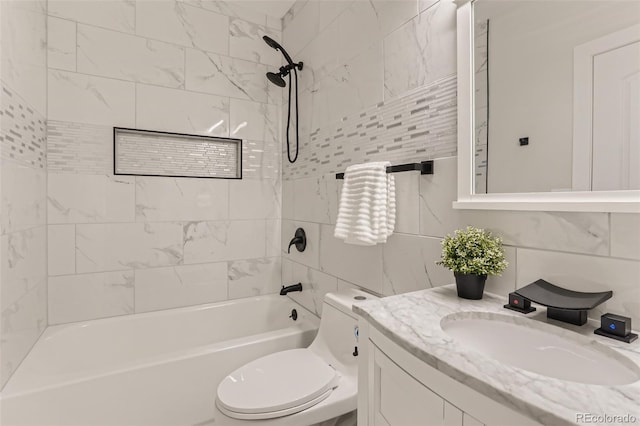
(122, 244)
(583, 251)
(23, 180)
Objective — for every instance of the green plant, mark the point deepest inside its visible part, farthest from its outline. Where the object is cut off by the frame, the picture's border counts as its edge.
(473, 251)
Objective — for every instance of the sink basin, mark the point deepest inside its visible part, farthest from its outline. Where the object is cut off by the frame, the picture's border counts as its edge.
(541, 348)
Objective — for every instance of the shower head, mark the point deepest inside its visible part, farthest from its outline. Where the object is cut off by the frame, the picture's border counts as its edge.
(276, 79)
(275, 45)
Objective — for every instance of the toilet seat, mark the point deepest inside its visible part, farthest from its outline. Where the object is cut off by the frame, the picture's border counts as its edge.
(276, 385)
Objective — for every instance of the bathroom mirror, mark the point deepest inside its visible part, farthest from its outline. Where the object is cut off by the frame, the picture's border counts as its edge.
(551, 117)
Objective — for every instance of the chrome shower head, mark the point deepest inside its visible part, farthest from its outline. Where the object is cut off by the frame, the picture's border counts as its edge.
(276, 79)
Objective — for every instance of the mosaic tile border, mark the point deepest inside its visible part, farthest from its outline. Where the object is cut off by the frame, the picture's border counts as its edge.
(79, 148)
(22, 131)
(421, 125)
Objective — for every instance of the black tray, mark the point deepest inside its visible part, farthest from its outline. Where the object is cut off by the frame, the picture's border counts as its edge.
(546, 294)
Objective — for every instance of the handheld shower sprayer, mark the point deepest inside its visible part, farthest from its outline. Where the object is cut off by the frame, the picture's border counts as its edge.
(278, 80)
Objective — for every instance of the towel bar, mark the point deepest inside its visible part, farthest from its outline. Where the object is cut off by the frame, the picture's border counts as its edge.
(425, 168)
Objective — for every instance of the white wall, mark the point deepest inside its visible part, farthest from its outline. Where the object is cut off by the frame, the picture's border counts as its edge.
(584, 251)
(121, 244)
(23, 180)
(531, 86)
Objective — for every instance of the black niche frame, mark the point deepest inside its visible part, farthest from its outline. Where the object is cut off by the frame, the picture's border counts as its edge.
(188, 135)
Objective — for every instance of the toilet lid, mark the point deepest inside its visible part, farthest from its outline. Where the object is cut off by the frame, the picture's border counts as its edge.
(277, 382)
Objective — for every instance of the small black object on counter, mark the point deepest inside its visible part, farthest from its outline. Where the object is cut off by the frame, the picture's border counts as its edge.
(616, 327)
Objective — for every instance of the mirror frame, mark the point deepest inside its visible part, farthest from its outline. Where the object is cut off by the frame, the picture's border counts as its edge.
(574, 201)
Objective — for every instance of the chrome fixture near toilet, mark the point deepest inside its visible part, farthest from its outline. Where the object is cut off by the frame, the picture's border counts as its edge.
(278, 80)
(299, 240)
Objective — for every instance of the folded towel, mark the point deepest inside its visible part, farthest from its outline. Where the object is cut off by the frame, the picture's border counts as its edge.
(367, 211)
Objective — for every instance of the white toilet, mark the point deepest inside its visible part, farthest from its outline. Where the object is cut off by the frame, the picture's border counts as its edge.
(300, 386)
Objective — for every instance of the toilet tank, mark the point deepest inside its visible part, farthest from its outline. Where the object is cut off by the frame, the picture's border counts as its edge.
(337, 336)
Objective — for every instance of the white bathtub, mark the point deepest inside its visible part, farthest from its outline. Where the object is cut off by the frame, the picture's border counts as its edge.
(159, 368)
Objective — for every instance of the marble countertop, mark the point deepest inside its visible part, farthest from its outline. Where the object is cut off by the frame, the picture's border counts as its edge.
(412, 320)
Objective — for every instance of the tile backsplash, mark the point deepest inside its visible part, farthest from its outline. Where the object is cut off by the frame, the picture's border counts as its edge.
(125, 244)
(581, 251)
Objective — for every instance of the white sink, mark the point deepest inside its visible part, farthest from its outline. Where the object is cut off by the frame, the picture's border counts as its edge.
(541, 348)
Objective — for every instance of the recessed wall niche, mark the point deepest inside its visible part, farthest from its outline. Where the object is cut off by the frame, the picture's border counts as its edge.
(153, 153)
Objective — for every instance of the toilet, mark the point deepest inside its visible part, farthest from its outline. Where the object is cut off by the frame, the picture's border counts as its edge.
(300, 386)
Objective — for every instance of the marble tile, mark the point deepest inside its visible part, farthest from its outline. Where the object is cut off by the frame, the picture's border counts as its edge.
(437, 193)
(355, 85)
(182, 24)
(330, 10)
(23, 196)
(225, 76)
(113, 54)
(585, 273)
(179, 111)
(231, 8)
(625, 235)
(24, 263)
(118, 246)
(61, 250)
(274, 23)
(361, 265)
(392, 14)
(166, 288)
(421, 51)
(409, 264)
(254, 199)
(179, 199)
(321, 54)
(311, 254)
(23, 63)
(90, 296)
(206, 242)
(358, 28)
(96, 100)
(246, 43)
(288, 199)
(61, 44)
(426, 4)
(253, 277)
(22, 324)
(315, 285)
(74, 198)
(302, 29)
(273, 240)
(316, 199)
(252, 120)
(571, 232)
(407, 202)
(117, 15)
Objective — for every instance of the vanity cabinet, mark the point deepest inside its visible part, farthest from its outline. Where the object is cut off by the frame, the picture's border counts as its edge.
(397, 389)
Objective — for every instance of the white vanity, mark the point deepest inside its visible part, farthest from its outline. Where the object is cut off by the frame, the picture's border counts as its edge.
(413, 372)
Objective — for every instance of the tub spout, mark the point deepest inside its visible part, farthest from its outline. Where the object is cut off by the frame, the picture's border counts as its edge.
(295, 287)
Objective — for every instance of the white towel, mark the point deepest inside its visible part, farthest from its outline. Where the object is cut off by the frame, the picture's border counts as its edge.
(367, 212)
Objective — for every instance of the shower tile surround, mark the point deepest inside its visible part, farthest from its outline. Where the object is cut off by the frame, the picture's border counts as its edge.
(125, 244)
(23, 181)
(582, 251)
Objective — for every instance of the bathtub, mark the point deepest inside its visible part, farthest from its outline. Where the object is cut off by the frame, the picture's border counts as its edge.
(159, 368)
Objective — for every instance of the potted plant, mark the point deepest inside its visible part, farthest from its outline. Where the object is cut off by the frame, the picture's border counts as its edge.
(472, 254)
